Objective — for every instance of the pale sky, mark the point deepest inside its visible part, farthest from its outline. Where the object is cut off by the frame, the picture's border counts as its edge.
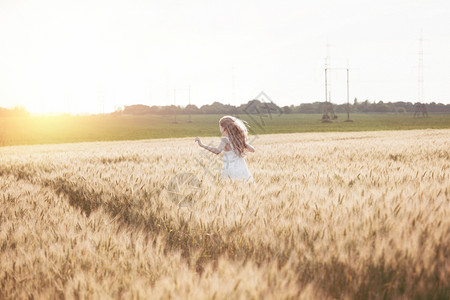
(59, 56)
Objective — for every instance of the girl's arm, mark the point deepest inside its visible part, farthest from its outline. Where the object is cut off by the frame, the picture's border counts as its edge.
(249, 147)
(212, 149)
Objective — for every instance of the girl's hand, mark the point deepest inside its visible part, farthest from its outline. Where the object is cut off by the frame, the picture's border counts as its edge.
(197, 139)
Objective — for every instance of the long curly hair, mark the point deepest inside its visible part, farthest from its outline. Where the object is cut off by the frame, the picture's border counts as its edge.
(237, 133)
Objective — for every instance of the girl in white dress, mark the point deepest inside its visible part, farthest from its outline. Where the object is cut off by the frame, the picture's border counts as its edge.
(234, 147)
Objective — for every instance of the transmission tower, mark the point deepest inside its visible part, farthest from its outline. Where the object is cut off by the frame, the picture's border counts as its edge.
(328, 108)
(420, 77)
(327, 62)
(420, 107)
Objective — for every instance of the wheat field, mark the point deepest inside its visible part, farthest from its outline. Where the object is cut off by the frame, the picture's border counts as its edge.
(332, 215)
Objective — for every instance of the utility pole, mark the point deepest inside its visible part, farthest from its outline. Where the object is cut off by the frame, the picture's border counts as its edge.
(348, 95)
(326, 85)
(175, 106)
(325, 116)
(189, 121)
(327, 63)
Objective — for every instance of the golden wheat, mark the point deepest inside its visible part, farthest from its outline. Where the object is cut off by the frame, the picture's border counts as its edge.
(332, 215)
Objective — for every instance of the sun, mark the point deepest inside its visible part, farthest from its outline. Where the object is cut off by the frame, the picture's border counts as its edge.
(59, 105)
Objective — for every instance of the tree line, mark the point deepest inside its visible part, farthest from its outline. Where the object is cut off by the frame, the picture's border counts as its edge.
(256, 106)
(14, 112)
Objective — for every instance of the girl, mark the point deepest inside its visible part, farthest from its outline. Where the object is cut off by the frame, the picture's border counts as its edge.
(234, 146)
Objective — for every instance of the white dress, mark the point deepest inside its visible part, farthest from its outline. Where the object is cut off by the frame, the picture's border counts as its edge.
(234, 166)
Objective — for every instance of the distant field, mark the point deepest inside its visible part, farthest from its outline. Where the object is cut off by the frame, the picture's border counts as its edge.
(69, 129)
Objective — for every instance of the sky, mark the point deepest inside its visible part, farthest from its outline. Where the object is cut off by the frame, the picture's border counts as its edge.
(96, 56)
